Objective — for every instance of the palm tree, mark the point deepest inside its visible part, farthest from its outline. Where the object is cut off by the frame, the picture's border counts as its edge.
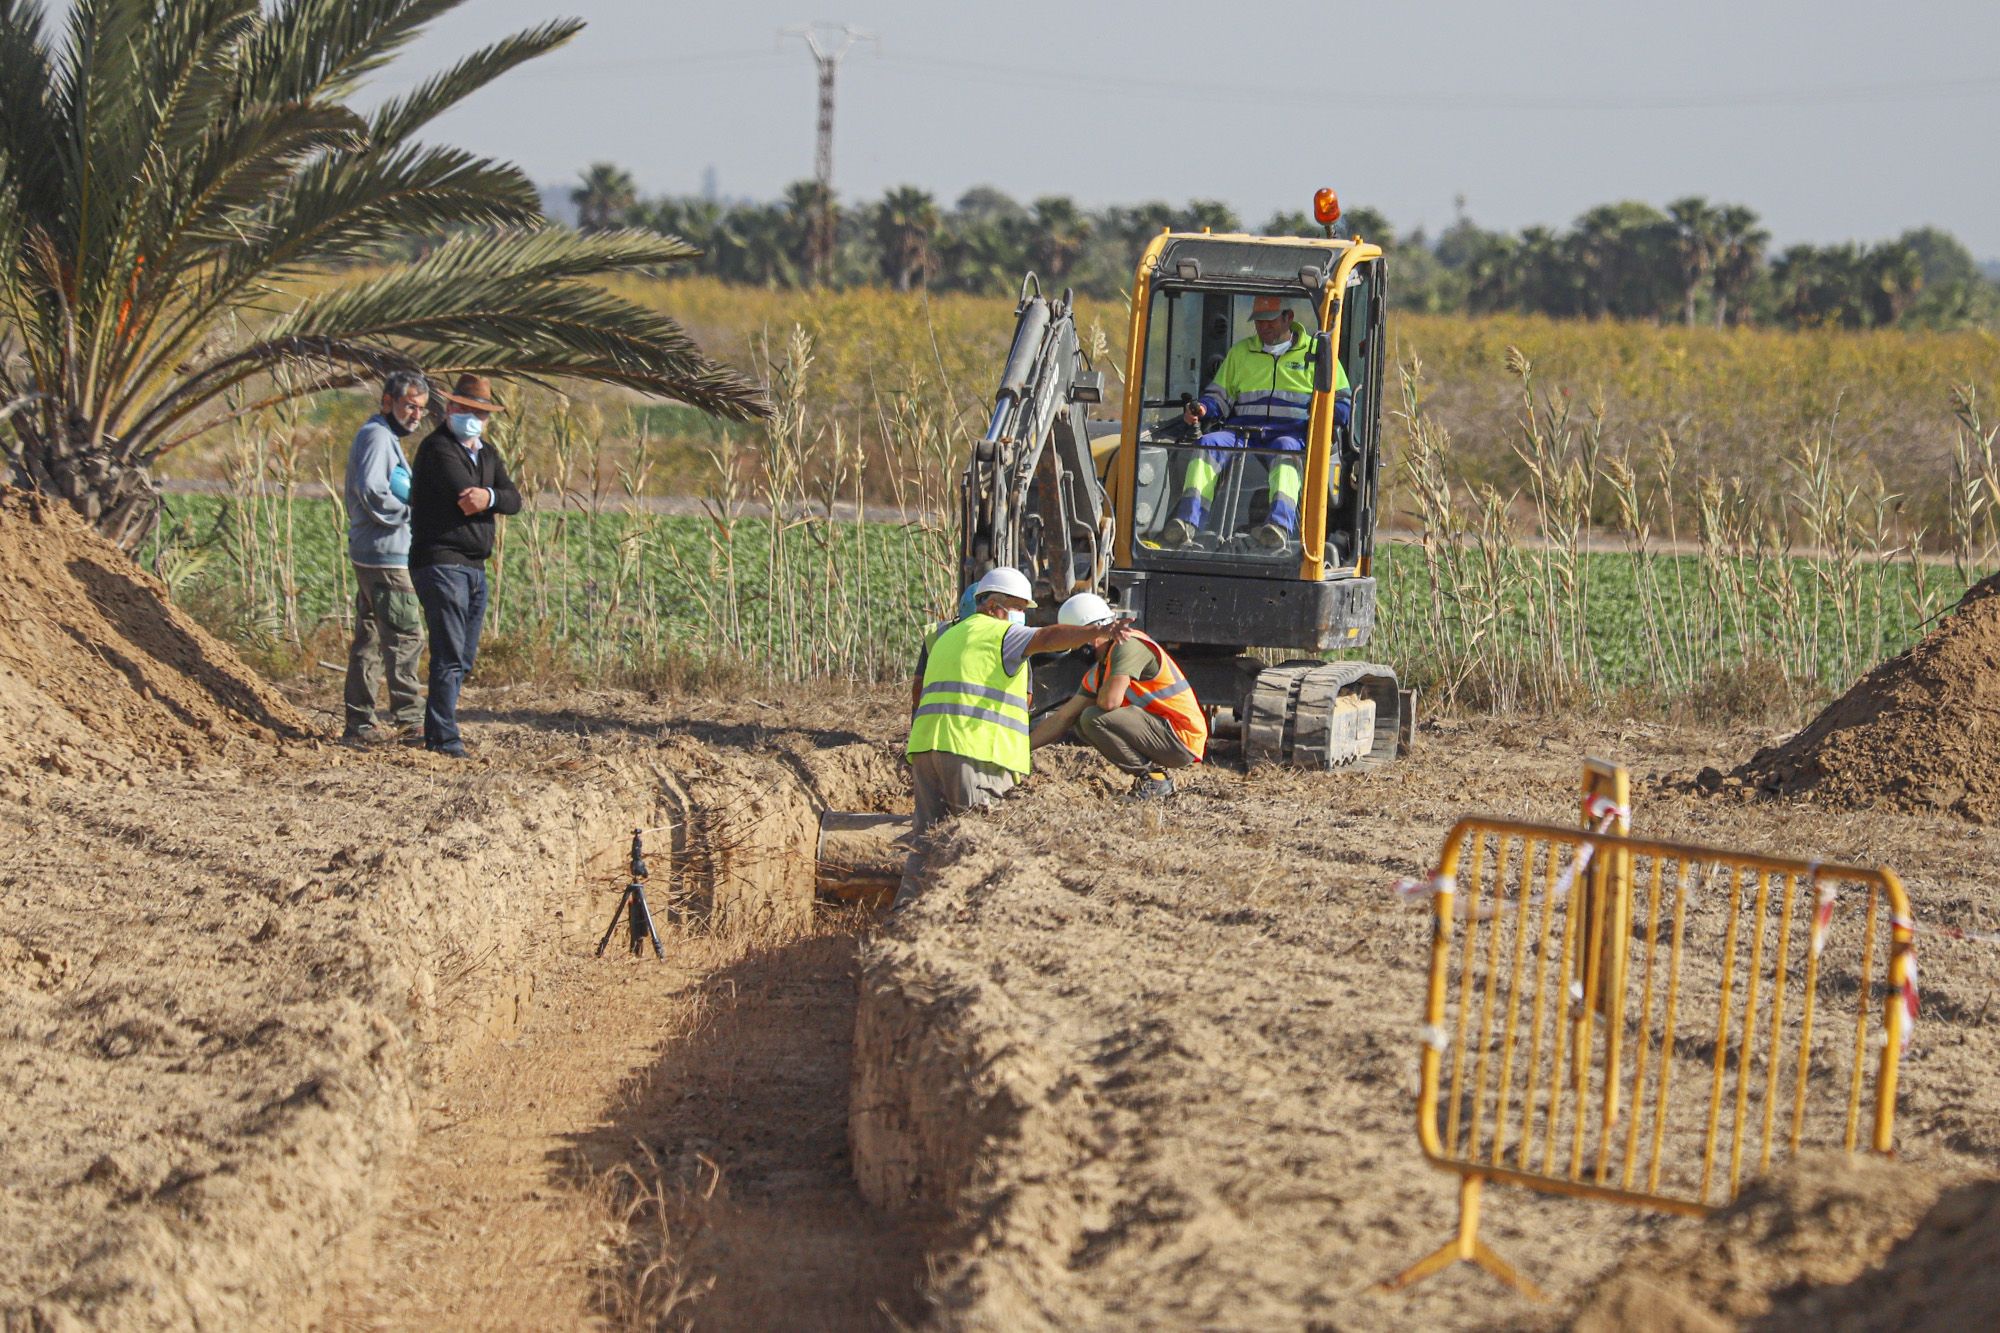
(1137, 224)
(815, 218)
(171, 172)
(1492, 264)
(1057, 233)
(906, 221)
(1623, 257)
(606, 199)
(1697, 245)
(1894, 274)
(763, 242)
(1739, 258)
(981, 254)
(1210, 213)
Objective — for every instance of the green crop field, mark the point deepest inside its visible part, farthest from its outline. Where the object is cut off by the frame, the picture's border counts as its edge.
(607, 594)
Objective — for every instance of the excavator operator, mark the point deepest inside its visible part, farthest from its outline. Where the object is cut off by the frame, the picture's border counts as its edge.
(1262, 392)
(1135, 708)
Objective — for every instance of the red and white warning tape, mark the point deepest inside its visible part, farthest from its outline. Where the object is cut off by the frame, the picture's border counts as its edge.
(1909, 979)
(1430, 885)
(1601, 808)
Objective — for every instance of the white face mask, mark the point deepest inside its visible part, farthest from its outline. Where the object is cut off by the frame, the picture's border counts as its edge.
(465, 425)
(1274, 348)
(1017, 617)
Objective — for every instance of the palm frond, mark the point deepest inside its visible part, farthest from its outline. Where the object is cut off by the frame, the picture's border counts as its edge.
(339, 208)
(399, 118)
(311, 49)
(28, 124)
(167, 167)
(547, 253)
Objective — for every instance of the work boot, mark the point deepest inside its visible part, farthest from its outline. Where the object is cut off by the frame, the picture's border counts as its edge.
(1178, 532)
(1271, 537)
(1153, 786)
(362, 737)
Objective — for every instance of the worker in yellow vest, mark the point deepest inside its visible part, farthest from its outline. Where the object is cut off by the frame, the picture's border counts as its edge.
(1136, 708)
(969, 731)
(932, 633)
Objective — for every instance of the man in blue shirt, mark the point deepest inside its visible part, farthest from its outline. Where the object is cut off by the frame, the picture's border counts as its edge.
(388, 622)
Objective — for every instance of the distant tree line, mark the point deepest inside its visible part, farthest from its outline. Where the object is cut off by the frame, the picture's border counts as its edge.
(1693, 262)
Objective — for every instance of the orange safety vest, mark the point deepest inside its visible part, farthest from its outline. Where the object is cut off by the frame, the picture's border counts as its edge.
(1167, 695)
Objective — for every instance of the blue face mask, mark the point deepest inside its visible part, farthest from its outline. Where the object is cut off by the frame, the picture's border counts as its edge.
(1017, 617)
(465, 425)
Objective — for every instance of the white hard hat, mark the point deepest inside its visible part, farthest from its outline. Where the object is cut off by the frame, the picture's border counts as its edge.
(1086, 608)
(1003, 579)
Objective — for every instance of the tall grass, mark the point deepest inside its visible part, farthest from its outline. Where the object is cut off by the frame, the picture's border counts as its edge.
(788, 572)
(1604, 564)
(1528, 602)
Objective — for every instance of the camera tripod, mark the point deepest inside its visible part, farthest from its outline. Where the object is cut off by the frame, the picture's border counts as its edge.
(632, 906)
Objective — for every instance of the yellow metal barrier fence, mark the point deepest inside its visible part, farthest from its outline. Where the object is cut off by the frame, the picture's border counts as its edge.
(1684, 1017)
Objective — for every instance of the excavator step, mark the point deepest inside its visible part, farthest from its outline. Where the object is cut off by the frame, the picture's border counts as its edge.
(1323, 716)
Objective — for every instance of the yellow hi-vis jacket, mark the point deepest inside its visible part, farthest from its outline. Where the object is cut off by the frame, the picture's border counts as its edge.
(1167, 695)
(969, 706)
(1253, 388)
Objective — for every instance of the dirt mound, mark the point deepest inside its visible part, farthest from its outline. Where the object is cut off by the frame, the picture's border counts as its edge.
(1919, 732)
(99, 673)
(1848, 1242)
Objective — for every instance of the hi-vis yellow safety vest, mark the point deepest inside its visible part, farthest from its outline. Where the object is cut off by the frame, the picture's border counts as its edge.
(1253, 388)
(1167, 695)
(969, 706)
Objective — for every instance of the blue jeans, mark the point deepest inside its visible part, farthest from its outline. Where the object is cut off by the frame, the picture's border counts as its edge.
(1220, 449)
(454, 598)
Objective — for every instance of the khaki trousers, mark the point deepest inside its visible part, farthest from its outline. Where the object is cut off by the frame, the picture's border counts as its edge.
(388, 639)
(949, 784)
(1133, 739)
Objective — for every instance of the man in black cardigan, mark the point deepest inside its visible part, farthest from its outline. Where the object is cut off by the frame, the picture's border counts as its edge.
(457, 484)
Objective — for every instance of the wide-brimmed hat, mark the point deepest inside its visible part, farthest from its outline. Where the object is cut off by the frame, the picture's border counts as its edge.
(1267, 307)
(474, 391)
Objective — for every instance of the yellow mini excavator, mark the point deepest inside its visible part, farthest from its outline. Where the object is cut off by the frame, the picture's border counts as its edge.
(1083, 505)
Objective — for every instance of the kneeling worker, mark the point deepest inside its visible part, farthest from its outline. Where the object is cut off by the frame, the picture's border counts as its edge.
(1135, 708)
(969, 732)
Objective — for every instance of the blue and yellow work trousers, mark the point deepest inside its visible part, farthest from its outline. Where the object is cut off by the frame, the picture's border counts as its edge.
(1220, 448)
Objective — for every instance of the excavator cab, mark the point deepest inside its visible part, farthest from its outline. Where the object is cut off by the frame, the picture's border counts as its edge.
(1279, 506)
(1250, 557)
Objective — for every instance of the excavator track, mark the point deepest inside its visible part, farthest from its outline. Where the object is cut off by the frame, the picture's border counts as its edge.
(1323, 715)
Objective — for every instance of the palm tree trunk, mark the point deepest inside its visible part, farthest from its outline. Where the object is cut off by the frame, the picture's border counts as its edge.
(79, 466)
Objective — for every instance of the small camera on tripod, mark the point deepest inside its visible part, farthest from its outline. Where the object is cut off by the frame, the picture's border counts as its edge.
(632, 906)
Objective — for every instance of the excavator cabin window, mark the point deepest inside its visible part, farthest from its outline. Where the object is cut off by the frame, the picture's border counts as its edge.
(1196, 503)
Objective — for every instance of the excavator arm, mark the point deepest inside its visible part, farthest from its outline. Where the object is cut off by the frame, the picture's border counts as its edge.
(1030, 496)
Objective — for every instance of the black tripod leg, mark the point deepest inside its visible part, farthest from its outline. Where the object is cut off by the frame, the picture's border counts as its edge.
(642, 911)
(616, 913)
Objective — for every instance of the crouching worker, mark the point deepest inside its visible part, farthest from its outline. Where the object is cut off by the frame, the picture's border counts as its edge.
(969, 731)
(1135, 708)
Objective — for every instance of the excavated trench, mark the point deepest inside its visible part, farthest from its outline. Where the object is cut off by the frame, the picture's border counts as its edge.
(700, 1101)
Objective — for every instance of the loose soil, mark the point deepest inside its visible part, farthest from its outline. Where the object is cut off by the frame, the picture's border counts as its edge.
(294, 1035)
(1192, 1034)
(1919, 732)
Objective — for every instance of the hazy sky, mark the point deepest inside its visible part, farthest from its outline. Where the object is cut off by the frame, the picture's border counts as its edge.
(1834, 120)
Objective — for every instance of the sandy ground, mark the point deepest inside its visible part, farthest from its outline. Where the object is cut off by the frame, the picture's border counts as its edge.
(294, 1036)
(1201, 1020)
